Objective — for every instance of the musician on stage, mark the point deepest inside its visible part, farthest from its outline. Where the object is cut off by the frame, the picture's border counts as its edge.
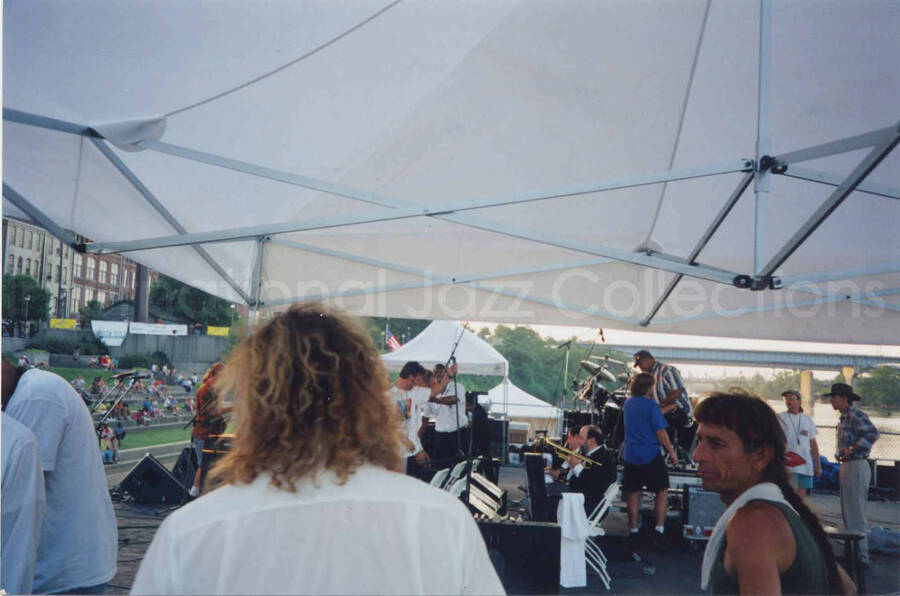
(207, 421)
(592, 477)
(450, 438)
(671, 395)
(573, 442)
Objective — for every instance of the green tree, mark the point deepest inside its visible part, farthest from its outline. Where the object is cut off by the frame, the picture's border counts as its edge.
(880, 386)
(189, 304)
(403, 329)
(93, 310)
(15, 289)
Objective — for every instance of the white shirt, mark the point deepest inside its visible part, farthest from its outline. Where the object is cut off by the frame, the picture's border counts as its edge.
(411, 404)
(22, 495)
(380, 533)
(799, 429)
(78, 540)
(446, 418)
(579, 467)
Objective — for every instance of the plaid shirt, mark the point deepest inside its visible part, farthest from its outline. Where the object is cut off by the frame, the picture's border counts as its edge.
(855, 428)
(668, 378)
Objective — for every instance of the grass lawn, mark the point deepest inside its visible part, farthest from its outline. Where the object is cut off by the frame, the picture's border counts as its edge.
(88, 373)
(161, 436)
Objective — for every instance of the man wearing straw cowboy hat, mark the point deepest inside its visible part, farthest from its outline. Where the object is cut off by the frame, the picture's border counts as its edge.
(855, 436)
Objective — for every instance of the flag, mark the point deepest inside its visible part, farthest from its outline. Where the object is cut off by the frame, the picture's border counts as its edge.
(392, 342)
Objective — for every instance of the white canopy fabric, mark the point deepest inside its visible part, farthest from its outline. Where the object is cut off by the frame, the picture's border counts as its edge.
(521, 404)
(624, 164)
(434, 344)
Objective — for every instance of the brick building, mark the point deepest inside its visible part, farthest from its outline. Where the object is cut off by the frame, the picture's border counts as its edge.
(73, 279)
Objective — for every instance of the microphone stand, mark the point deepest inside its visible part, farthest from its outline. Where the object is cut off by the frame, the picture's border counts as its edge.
(459, 450)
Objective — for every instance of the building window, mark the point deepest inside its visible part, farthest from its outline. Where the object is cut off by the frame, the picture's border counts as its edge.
(132, 279)
(10, 264)
(101, 297)
(91, 267)
(19, 267)
(28, 268)
(12, 235)
(76, 269)
(88, 295)
(114, 274)
(65, 277)
(30, 240)
(67, 252)
(21, 238)
(102, 277)
(76, 298)
(57, 272)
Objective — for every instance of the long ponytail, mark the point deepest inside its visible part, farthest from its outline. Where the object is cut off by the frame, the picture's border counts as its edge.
(756, 424)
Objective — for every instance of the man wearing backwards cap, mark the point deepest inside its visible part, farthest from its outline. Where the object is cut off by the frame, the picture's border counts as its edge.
(855, 436)
(671, 395)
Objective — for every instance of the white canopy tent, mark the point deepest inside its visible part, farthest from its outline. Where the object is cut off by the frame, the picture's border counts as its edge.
(434, 344)
(509, 401)
(694, 166)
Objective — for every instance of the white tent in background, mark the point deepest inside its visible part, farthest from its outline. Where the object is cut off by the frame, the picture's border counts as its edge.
(711, 167)
(434, 344)
(507, 400)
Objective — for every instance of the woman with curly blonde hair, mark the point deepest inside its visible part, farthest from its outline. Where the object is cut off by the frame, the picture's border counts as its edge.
(311, 501)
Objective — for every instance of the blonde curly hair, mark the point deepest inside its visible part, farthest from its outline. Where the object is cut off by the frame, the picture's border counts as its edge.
(310, 394)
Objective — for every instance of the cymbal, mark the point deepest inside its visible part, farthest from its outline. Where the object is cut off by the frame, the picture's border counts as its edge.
(124, 374)
(623, 378)
(597, 371)
(590, 366)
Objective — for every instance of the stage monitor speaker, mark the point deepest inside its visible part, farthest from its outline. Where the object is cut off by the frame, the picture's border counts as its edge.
(525, 555)
(702, 509)
(150, 482)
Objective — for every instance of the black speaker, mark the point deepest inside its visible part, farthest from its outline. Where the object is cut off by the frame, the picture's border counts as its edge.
(150, 482)
(525, 555)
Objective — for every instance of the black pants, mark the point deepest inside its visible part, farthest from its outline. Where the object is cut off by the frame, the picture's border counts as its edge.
(447, 446)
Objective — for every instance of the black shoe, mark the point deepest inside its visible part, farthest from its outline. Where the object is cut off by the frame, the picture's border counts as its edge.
(658, 541)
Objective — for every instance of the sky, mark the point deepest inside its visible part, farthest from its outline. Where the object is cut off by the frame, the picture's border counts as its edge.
(640, 339)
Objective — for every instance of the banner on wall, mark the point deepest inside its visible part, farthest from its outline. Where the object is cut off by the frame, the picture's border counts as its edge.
(221, 331)
(63, 324)
(111, 333)
(157, 329)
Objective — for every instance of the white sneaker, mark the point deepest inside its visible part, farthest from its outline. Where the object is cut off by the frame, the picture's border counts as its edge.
(194, 492)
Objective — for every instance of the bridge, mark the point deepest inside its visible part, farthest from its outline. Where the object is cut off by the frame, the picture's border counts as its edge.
(760, 358)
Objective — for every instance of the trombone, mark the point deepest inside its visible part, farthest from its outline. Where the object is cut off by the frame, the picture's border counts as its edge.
(563, 452)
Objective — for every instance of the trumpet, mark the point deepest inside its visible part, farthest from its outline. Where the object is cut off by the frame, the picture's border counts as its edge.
(563, 452)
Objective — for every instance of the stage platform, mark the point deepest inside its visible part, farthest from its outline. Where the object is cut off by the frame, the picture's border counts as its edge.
(675, 570)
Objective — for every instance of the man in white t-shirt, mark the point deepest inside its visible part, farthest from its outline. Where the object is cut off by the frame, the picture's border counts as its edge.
(22, 495)
(78, 543)
(412, 397)
(800, 433)
(449, 412)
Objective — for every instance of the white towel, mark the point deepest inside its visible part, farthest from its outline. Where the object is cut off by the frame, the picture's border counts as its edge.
(767, 491)
(574, 529)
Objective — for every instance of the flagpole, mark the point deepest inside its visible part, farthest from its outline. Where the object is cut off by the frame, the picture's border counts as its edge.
(386, 323)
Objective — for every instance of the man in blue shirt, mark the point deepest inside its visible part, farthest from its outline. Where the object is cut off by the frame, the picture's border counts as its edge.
(645, 431)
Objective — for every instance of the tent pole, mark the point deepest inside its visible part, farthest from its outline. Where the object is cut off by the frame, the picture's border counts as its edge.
(762, 180)
(148, 196)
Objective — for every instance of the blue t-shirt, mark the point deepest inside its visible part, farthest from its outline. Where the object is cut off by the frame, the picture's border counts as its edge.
(643, 417)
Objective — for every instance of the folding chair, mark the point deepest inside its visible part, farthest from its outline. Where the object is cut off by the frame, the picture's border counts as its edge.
(592, 551)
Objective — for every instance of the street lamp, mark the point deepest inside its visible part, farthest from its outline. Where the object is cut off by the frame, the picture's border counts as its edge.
(27, 300)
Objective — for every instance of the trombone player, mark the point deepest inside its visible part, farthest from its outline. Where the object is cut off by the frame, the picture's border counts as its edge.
(592, 477)
(573, 443)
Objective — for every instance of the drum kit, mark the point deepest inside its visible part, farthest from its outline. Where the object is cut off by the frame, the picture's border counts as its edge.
(605, 405)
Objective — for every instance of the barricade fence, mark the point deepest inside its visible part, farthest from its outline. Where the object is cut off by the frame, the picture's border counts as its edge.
(886, 448)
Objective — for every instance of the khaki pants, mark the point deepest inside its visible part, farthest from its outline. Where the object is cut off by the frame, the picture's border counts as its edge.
(855, 477)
